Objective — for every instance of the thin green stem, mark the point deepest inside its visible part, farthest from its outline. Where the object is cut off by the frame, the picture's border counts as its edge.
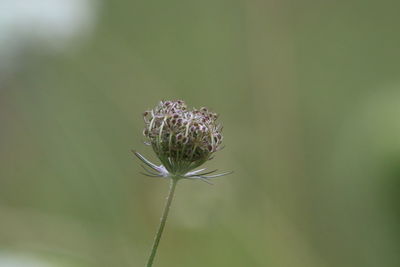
(160, 229)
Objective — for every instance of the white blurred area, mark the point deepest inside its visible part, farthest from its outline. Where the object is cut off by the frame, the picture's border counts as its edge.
(46, 24)
(21, 260)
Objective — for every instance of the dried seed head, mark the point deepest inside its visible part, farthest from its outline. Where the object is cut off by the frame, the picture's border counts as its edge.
(182, 139)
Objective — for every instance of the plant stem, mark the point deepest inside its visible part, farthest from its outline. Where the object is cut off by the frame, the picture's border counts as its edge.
(160, 229)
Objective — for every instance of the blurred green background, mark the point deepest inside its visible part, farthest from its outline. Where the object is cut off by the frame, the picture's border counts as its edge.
(309, 95)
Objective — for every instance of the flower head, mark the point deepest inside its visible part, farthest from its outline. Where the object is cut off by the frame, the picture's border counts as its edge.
(182, 138)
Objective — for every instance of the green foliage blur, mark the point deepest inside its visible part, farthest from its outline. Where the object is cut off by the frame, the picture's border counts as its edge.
(309, 96)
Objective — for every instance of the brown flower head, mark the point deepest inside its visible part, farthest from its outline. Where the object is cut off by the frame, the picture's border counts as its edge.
(183, 139)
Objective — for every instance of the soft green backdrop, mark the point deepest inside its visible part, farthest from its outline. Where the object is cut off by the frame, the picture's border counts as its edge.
(309, 95)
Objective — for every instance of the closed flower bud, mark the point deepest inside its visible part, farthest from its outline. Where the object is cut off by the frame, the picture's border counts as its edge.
(183, 139)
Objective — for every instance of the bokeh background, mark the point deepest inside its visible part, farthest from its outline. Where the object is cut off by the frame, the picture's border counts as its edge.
(309, 95)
